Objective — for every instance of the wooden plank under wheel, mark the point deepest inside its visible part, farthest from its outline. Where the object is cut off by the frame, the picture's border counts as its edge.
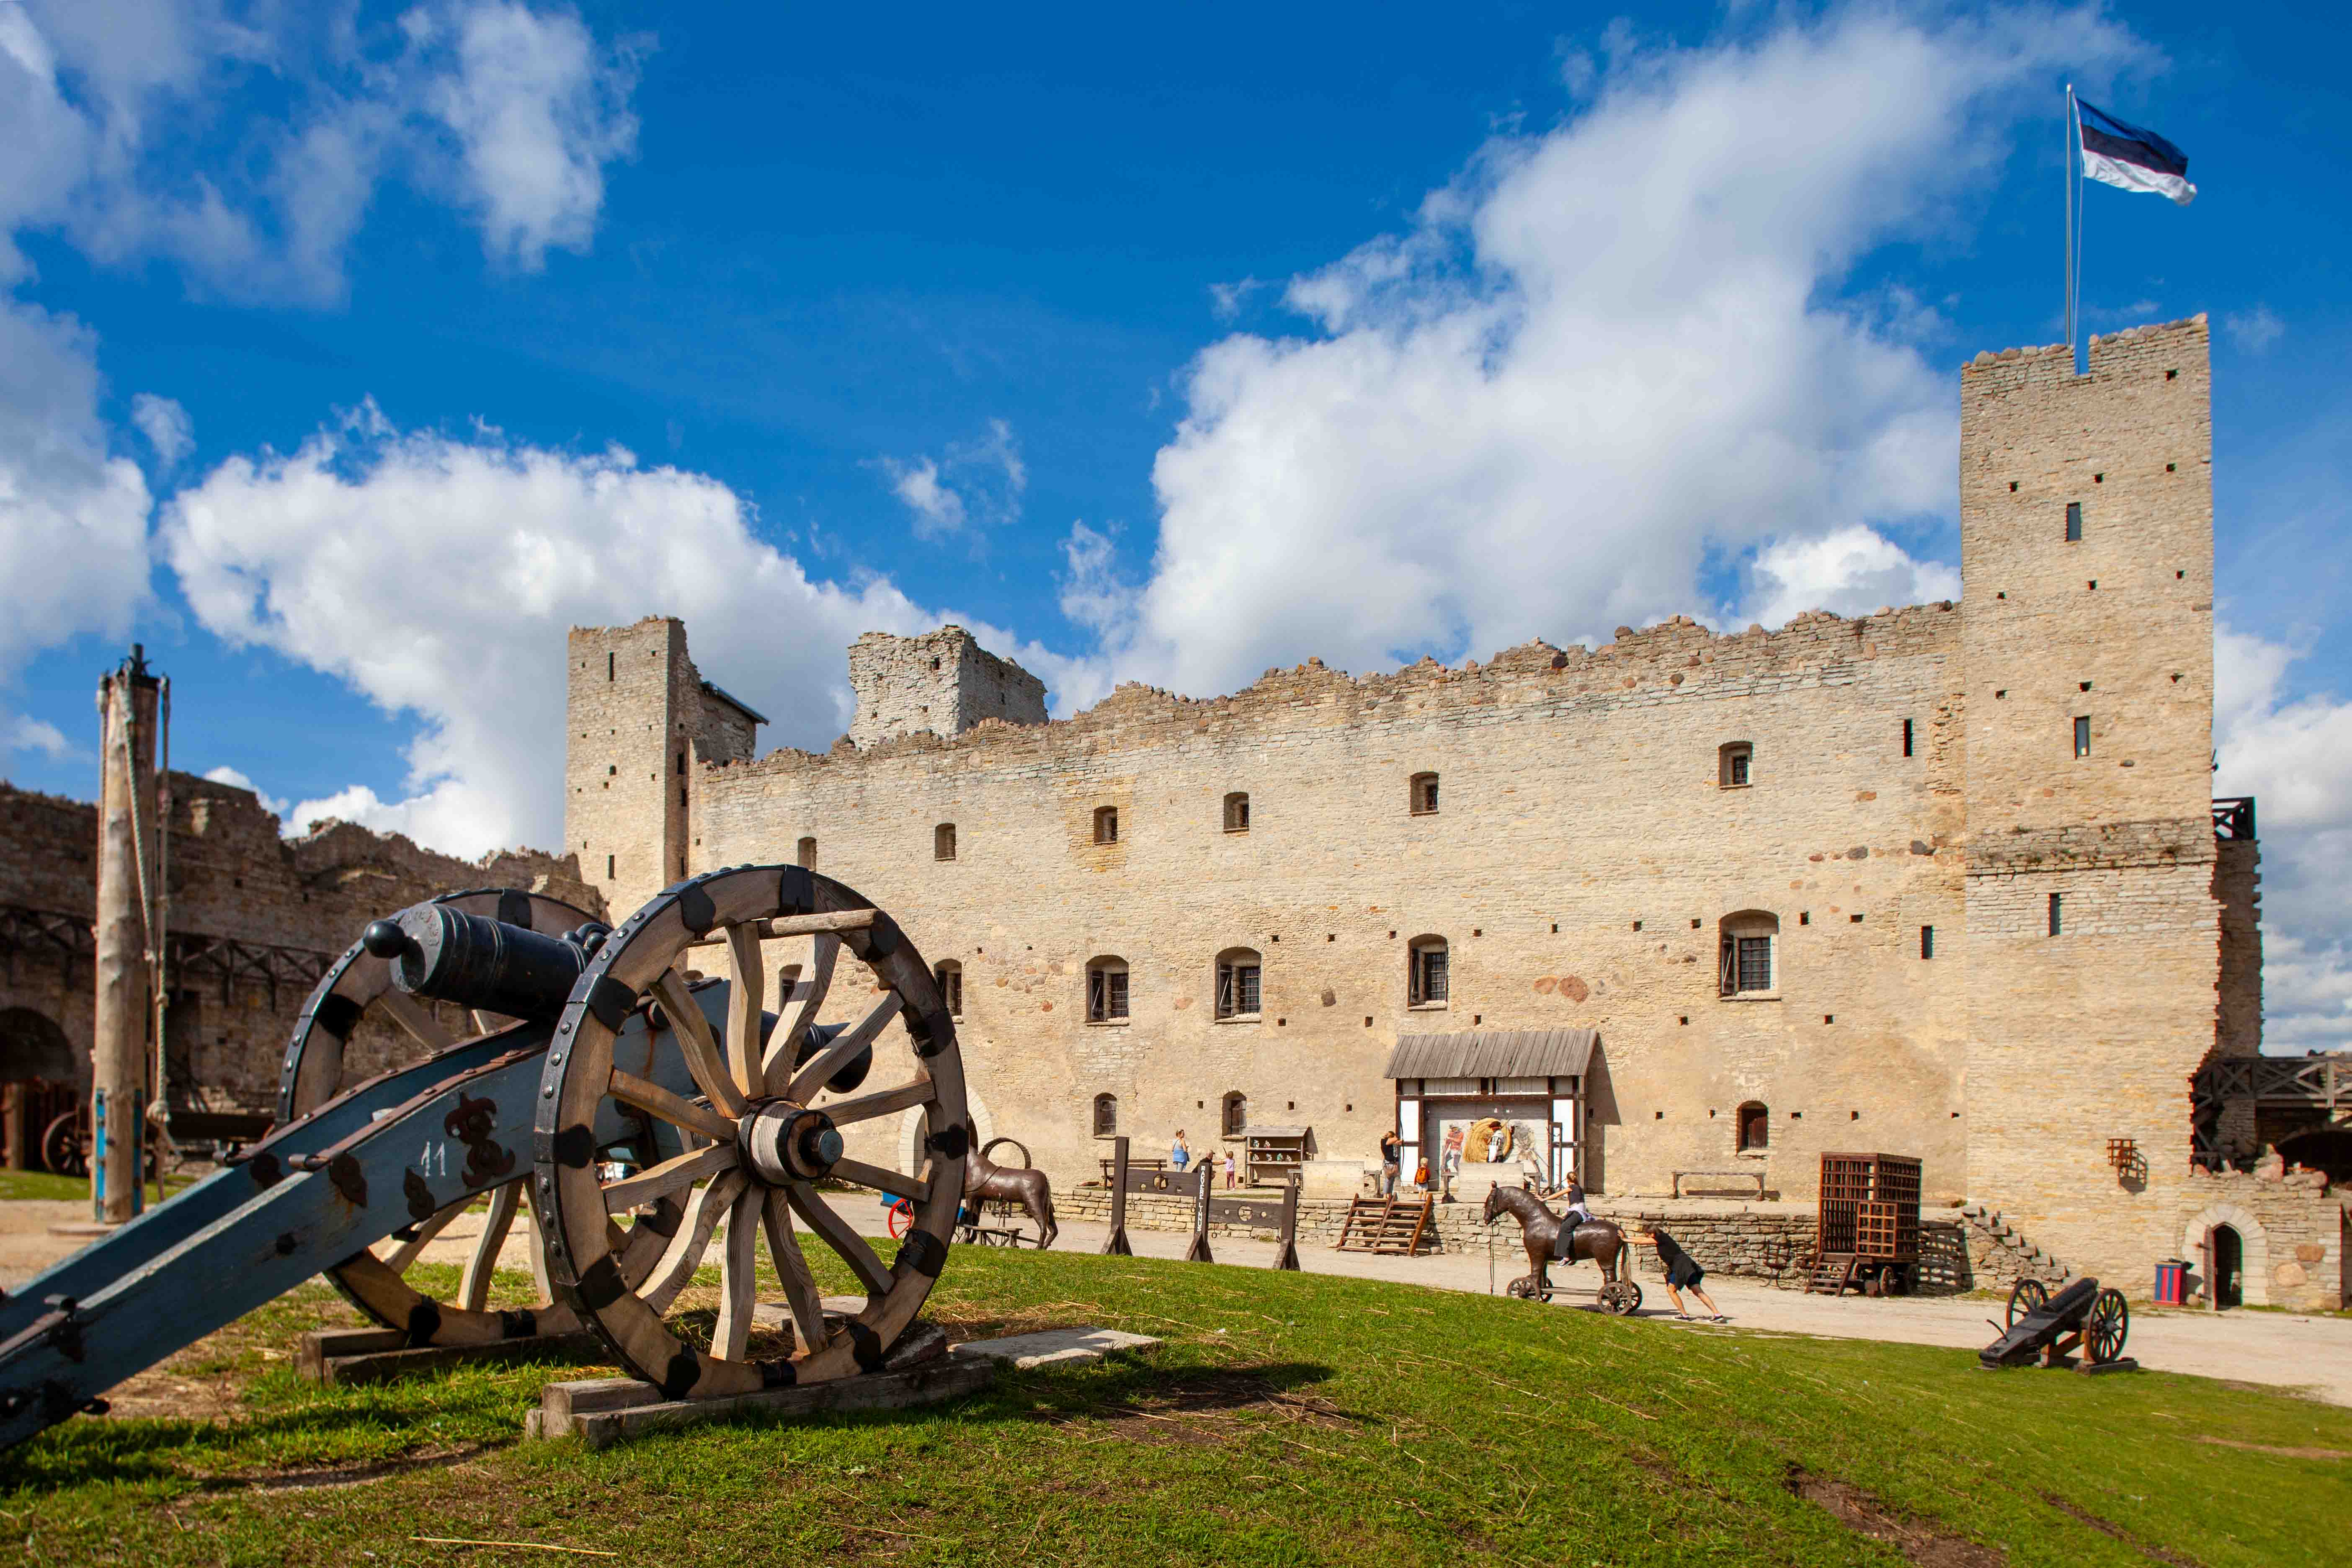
(357, 987)
(765, 1129)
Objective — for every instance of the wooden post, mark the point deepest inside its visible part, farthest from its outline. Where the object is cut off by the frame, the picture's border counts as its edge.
(11, 1123)
(1199, 1251)
(1288, 1258)
(127, 704)
(1117, 1245)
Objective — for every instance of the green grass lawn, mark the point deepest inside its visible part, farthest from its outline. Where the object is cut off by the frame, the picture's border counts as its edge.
(15, 1184)
(1287, 1419)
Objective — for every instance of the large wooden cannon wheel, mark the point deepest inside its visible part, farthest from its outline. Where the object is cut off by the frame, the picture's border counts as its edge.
(358, 985)
(751, 1147)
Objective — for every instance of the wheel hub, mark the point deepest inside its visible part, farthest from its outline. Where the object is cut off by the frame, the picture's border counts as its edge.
(780, 1143)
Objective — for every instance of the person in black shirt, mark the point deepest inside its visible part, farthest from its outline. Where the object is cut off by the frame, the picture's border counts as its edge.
(1391, 1157)
(1682, 1274)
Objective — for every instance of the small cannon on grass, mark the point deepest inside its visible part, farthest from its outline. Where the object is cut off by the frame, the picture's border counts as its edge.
(588, 1042)
(2046, 1329)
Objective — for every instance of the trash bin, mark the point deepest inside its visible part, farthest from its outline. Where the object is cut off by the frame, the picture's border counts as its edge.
(2172, 1282)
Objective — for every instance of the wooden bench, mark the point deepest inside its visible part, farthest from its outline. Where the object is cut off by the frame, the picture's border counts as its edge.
(1755, 1176)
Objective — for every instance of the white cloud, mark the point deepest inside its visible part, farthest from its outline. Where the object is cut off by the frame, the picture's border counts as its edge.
(974, 482)
(1603, 358)
(2295, 756)
(1851, 569)
(237, 779)
(73, 518)
(1227, 299)
(248, 146)
(24, 734)
(167, 427)
(2253, 331)
(437, 576)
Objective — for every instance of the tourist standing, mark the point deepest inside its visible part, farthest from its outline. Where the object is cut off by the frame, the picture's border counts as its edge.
(1392, 1159)
(1229, 1169)
(1178, 1156)
(1450, 1162)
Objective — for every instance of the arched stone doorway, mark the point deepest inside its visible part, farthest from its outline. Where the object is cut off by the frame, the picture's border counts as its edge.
(37, 1073)
(33, 1049)
(2209, 1251)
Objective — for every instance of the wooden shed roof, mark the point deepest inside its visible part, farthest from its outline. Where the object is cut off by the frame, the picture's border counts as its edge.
(1494, 1053)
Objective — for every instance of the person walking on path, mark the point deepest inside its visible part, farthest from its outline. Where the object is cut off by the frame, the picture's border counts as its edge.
(1178, 1156)
(1682, 1274)
(1450, 1162)
(1392, 1159)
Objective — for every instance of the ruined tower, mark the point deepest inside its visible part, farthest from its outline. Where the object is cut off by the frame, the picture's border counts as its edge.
(942, 681)
(638, 717)
(2086, 547)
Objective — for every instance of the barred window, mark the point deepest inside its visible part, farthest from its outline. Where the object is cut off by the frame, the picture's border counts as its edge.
(1428, 977)
(1237, 982)
(1105, 990)
(1746, 956)
(951, 978)
(1735, 762)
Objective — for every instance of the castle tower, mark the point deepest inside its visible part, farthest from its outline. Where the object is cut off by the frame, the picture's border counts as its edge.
(942, 681)
(638, 718)
(2094, 929)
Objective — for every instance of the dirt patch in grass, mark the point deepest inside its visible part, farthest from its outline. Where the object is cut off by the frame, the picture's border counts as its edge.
(2274, 1448)
(314, 1479)
(1919, 1540)
(2114, 1532)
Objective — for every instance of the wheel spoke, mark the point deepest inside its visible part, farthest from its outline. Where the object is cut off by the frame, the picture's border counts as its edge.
(474, 1290)
(830, 1060)
(401, 1256)
(738, 1274)
(684, 1254)
(680, 1171)
(818, 1216)
(743, 1010)
(631, 1089)
(882, 1102)
(411, 1015)
(882, 1181)
(800, 1285)
(691, 1030)
(784, 1045)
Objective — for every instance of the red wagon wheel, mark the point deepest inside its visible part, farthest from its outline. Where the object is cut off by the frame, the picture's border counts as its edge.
(902, 1219)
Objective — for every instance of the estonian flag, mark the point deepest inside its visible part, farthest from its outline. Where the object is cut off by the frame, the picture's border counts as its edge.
(2137, 160)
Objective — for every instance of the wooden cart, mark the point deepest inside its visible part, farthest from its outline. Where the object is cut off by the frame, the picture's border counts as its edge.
(1867, 1234)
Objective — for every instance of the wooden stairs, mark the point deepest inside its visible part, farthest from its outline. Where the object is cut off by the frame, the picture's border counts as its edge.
(1832, 1274)
(1390, 1226)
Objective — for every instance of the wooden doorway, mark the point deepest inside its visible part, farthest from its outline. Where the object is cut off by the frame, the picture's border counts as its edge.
(2228, 1250)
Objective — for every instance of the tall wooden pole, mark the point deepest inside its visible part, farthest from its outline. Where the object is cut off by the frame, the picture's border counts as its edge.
(127, 703)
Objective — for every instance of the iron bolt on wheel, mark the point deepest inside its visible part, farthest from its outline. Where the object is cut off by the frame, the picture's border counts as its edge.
(2109, 1323)
(775, 1114)
(2028, 1295)
(356, 989)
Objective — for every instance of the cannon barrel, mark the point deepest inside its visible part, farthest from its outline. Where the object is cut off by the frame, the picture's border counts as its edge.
(476, 961)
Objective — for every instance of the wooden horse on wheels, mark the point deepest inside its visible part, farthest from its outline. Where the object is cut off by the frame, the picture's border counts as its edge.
(1551, 1239)
(985, 1180)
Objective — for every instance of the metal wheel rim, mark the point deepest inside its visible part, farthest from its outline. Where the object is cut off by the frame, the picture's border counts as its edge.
(313, 1073)
(2109, 1325)
(749, 1071)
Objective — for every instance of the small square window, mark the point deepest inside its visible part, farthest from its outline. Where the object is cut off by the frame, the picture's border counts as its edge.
(1106, 824)
(1423, 795)
(1737, 767)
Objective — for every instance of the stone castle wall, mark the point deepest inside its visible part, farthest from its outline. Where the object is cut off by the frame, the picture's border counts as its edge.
(231, 875)
(942, 682)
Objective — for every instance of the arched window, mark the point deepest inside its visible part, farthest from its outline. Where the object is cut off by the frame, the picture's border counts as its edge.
(1105, 825)
(1237, 812)
(807, 853)
(943, 841)
(1748, 959)
(1105, 991)
(950, 974)
(1236, 1114)
(1428, 972)
(1106, 1116)
(1734, 762)
(1237, 982)
(1421, 794)
(1755, 1124)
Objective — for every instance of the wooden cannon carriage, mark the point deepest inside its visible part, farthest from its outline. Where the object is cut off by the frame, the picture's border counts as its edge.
(2044, 1330)
(635, 1105)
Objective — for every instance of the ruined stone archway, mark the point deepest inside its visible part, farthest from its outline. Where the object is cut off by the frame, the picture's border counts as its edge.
(910, 1128)
(32, 1046)
(2255, 1257)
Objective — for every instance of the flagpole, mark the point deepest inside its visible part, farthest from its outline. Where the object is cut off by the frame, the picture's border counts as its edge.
(2074, 187)
(2066, 167)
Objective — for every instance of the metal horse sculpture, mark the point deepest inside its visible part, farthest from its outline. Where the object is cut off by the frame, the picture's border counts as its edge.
(985, 1180)
(1540, 1229)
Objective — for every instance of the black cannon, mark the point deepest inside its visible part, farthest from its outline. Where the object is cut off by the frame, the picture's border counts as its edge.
(2044, 1330)
(634, 1104)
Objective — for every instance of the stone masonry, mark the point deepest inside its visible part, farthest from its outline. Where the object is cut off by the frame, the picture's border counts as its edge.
(1916, 789)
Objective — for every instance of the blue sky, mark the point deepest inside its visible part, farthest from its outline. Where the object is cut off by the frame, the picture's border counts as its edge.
(356, 352)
